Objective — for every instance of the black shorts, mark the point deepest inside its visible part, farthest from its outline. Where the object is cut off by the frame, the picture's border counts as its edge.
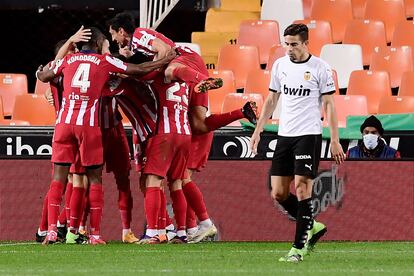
(297, 156)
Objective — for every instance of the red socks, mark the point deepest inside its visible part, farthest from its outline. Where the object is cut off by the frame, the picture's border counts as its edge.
(76, 204)
(43, 219)
(54, 201)
(96, 201)
(162, 215)
(188, 75)
(152, 204)
(180, 208)
(68, 194)
(195, 200)
(191, 218)
(125, 201)
(216, 121)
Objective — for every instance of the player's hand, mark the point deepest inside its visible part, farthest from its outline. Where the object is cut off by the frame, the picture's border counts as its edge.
(171, 54)
(82, 35)
(337, 152)
(254, 141)
(125, 51)
(49, 97)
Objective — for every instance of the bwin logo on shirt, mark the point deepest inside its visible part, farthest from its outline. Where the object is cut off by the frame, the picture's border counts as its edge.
(296, 91)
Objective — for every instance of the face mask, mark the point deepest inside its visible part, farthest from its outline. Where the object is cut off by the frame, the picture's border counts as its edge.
(370, 141)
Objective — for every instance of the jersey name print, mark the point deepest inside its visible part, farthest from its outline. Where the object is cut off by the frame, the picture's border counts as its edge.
(301, 86)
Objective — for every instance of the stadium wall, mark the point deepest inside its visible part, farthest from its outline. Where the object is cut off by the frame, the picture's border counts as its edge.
(370, 200)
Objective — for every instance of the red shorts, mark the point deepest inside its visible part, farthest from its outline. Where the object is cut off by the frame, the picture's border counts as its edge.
(167, 155)
(116, 150)
(200, 149)
(192, 60)
(69, 140)
(77, 166)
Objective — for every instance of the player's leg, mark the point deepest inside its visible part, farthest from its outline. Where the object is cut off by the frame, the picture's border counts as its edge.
(42, 230)
(281, 195)
(179, 204)
(76, 208)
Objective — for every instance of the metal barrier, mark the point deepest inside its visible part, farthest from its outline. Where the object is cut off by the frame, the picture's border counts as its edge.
(153, 12)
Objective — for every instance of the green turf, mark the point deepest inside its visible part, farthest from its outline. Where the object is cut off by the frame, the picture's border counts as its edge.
(249, 258)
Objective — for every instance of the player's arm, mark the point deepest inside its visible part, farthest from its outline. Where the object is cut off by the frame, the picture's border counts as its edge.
(198, 120)
(147, 67)
(329, 107)
(82, 35)
(267, 111)
(45, 74)
(160, 47)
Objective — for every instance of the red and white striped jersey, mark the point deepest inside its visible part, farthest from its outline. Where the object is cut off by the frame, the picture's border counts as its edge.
(172, 106)
(139, 105)
(142, 41)
(85, 77)
(109, 113)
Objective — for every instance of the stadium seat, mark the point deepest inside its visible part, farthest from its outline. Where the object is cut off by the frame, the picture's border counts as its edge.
(35, 109)
(307, 6)
(337, 12)
(41, 87)
(258, 82)
(4, 122)
(395, 105)
(389, 12)
(367, 33)
(240, 59)
(10, 86)
(125, 120)
(260, 33)
(372, 84)
(349, 105)
(320, 33)
(210, 61)
(343, 58)
(358, 8)
(409, 8)
(226, 21)
(394, 60)
(407, 85)
(234, 101)
(240, 5)
(403, 34)
(211, 42)
(283, 11)
(193, 46)
(216, 97)
(277, 51)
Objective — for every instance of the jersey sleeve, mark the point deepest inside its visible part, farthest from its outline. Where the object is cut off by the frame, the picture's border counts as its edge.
(114, 65)
(326, 82)
(274, 85)
(58, 66)
(143, 39)
(199, 99)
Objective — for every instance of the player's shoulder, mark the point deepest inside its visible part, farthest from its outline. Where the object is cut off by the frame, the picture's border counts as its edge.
(280, 61)
(318, 62)
(141, 31)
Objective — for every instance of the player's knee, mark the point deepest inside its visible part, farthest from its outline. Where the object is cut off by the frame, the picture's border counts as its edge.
(278, 196)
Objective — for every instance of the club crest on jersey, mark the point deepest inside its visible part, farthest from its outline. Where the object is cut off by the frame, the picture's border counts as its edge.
(307, 76)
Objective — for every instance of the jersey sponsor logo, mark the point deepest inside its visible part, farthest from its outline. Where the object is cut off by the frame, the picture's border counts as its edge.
(307, 76)
(301, 157)
(89, 58)
(296, 91)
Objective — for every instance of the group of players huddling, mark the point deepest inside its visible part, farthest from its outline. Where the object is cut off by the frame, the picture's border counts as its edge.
(166, 100)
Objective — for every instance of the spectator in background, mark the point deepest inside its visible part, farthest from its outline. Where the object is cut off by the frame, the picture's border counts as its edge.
(372, 145)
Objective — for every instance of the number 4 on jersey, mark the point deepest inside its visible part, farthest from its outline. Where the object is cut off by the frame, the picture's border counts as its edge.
(81, 77)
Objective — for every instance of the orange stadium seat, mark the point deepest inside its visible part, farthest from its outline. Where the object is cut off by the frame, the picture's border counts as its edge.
(407, 85)
(395, 105)
(4, 122)
(210, 61)
(258, 82)
(337, 12)
(277, 51)
(35, 109)
(240, 59)
(367, 33)
(41, 87)
(394, 60)
(10, 86)
(372, 84)
(358, 8)
(389, 12)
(125, 120)
(307, 6)
(234, 101)
(409, 8)
(260, 33)
(211, 42)
(240, 5)
(227, 21)
(320, 33)
(403, 34)
(216, 97)
(349, 105)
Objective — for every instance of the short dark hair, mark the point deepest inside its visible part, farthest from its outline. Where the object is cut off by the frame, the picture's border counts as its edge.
(59, 45)
(96, 35)
(122, 20)
(297, 29)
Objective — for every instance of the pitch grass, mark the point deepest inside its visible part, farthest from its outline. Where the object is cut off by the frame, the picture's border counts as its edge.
(249, 258)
